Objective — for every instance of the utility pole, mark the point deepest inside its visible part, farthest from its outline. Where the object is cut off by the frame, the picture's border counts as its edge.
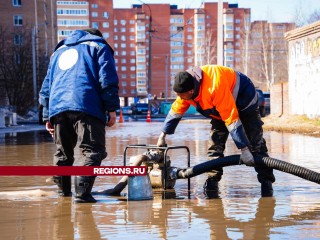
(220, 34)
(150, 47)
(34, 66)
(166, 78)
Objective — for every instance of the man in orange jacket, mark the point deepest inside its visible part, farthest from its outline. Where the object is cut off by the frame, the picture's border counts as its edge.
(230, 100)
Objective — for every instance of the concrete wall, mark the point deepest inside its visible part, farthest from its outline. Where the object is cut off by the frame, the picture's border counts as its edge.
(304, 70)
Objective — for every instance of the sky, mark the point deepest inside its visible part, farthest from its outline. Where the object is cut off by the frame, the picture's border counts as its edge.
(271, 10)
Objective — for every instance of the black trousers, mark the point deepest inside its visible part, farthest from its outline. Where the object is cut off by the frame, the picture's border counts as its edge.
(73, 127)
(252, 124)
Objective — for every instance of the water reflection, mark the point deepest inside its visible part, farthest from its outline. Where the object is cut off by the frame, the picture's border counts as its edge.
(30, 209)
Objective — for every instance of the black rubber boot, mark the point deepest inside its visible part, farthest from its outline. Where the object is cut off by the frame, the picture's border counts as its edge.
(83, 186)
(266, 188)
(116, 191)
(211, 188)
(64, 185)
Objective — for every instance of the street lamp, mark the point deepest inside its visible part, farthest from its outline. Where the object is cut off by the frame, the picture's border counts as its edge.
(150, 45)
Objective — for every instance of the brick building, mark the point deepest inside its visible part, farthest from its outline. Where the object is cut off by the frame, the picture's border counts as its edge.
(152, 42)
(37, 21)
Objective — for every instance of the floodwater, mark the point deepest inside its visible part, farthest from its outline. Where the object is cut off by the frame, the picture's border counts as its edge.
(30, 208)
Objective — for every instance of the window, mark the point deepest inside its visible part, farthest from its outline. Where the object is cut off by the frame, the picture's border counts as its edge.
(70, 22)
(79, 12)
(17, 20)
(16, 3)
(105, 25)
(106, 35)
(105, 14)
(17, 58)
(95, 25)
(123, 83)
(123, 22)
(94, 5)
(201, 20)
(141, 59)
(18, 40)
(94, 14)
(64, 32)
(229, 27)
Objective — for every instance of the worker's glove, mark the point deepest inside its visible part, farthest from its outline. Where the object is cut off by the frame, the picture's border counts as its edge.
(162, 140)
(246, 157)
(154, 155)
(173, 173)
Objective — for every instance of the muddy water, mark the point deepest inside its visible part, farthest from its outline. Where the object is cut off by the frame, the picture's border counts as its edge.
(30, 208)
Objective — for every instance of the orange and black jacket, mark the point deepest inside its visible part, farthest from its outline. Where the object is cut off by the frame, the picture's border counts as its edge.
(220, 93)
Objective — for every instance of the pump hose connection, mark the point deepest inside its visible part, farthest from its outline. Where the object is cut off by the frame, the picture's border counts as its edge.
(260, 161)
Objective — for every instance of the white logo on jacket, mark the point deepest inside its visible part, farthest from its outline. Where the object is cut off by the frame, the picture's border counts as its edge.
(68, 59)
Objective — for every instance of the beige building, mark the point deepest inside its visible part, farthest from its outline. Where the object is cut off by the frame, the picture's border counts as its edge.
(304, 70)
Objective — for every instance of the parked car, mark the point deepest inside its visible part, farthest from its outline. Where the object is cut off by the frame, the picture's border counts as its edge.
(267, 100)
(262, 103)
(126, 110)
(139, 108)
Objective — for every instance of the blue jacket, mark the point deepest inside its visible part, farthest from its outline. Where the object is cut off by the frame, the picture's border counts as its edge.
(81, 77)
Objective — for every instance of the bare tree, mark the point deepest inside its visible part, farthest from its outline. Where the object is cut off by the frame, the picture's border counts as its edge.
(16, 67)
(268, 53)
(211, 48)
(315, 16)
(302, 19)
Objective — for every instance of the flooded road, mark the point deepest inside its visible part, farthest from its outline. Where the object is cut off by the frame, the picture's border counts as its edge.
(30, 208)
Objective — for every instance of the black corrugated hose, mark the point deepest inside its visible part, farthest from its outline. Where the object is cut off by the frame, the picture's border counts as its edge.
(259, 161)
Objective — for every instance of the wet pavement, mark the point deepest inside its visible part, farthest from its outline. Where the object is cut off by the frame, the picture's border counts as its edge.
(30, 208)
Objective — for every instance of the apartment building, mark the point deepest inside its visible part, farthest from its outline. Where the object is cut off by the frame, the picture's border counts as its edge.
(30, 23)
(153, 42)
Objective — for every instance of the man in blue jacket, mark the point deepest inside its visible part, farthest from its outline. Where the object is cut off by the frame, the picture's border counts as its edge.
(78, 95)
